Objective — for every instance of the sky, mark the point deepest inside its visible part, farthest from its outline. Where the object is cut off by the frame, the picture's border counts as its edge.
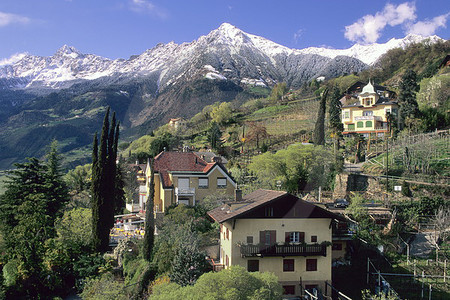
(121, 28)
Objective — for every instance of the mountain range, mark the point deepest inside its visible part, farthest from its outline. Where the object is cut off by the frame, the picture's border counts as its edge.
(64, 96)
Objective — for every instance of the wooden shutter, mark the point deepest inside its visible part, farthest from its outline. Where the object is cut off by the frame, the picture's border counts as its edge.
(287, 237)
(273, 236)
(302, 237)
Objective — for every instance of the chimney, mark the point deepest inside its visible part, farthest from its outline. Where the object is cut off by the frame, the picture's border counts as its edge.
(203, 156)
(237, 195)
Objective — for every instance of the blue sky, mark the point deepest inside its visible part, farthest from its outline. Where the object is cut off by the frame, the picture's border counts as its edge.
(121, 28)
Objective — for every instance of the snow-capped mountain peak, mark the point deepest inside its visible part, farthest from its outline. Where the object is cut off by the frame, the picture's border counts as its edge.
(69, 51)
(234, 54)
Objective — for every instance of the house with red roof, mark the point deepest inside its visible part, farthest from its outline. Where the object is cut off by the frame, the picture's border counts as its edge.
(187, 178)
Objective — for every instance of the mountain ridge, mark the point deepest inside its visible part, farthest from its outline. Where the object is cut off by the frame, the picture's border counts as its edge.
(64, 96)
(69, 65)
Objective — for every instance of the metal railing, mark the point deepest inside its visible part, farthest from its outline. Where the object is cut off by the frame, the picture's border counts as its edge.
(184, 191)
(283, 250)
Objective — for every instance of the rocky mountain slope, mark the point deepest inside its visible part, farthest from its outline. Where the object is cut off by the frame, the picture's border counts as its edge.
(64, 96)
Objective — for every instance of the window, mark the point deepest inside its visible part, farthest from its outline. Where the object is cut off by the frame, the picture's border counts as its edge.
(346, 114)
(221, 183)
(288, 265)
(368, 113)
(288, 289)
(228, 234)
(360, 124)
(351, 127)
(203, 183)
(294, 237)
(368, 123)
(314, 239)
(250, 240)
(388, 110)
(267, 238)
(336, 246)
(311, 264)
(268, 212)
(253, 265)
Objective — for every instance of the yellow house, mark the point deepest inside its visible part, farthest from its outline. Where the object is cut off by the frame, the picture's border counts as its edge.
(186, 178)
(277, 232)
(369, 114)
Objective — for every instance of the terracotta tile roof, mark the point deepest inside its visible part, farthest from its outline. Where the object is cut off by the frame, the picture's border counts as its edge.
(167, 161)
(253, 201)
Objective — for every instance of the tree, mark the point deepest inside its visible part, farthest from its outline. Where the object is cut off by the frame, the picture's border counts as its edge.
(319, 129)
(161, 143)
(256, 132)
(34, 198)
(228, 284)
(407, 97)
(214, 136)
(189, 262)
(149, 219)
(221, 113)
(106, 190)
(278, 91)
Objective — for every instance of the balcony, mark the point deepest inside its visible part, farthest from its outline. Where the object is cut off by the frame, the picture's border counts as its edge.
(368, 118)
(283, 250)
(184, 191)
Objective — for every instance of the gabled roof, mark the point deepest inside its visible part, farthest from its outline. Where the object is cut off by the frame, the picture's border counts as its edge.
(186, 162)
(285, 206)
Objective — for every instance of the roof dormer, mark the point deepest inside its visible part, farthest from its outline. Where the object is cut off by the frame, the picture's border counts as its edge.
(368, 96)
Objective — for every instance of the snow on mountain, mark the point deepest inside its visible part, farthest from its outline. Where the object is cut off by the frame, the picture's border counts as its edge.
(369, 54)
(232, 53)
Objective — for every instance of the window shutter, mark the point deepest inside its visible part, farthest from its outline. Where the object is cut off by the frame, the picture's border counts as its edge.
(273, 237)
(302, 237)
(262, 237)
(287, 237)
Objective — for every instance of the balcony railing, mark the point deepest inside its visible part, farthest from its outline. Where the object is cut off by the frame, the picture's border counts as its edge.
(184, 191)
(363, 118)
(283, 250)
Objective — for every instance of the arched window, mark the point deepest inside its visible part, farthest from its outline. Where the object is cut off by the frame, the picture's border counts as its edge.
(360, 124)
(368, 123)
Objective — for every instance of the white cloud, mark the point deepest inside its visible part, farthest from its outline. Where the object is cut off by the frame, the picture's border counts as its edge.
(429, 27)
(145, 6)
(8, 19)
(13, 59)
(297, 35)
(368, 28)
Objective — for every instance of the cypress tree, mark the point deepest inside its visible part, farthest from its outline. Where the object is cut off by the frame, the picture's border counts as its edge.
(407, 97)
(95, 195)
(105, 189)
(319, 129)
(149, 218)
(335, 123)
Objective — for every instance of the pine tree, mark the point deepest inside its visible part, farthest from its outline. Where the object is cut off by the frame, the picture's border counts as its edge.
(319, 129)
(149, 218)
(107, 192)
(407, 97)
(34, 197)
